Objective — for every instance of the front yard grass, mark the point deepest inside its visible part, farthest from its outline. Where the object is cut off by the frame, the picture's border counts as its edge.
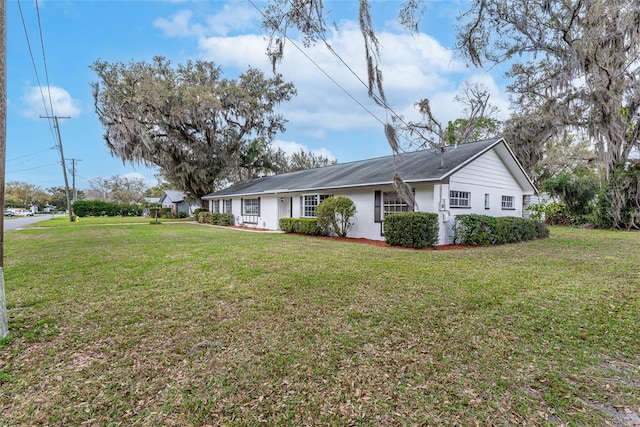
(193, 325)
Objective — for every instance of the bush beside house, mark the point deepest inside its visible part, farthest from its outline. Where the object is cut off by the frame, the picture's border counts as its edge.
(215, 218)
(334, 215)
(411, 229)
(481, 230)
(307, 226)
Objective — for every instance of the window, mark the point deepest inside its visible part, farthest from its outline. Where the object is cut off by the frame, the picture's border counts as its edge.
(216, 205)
(226, 206)
(251, 207)
(486, 201)
(393, 203)
(459, 199)
(309, 204)
(507, 202)
(388, 202)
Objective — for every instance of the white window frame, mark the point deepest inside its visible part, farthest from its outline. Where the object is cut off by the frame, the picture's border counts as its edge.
(508, 202)
(251, 207)
(309, 203)
(487, 204)
(393, 203)
(216, 206)
(459, 199)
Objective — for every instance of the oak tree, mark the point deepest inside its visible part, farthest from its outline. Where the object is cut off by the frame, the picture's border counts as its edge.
(188, 120)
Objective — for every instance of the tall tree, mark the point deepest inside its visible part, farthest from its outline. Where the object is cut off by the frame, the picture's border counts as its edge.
(479, 122)
(22, 194)
(302, 160)
(187, 120)
(57, 196)
(116, 189)
(578, 60)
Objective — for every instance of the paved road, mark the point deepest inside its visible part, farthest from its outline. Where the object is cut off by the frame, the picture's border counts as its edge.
(17, 222)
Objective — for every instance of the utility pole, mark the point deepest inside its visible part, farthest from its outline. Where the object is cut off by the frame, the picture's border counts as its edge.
(4, 315)
(73, 178)
(56, 125)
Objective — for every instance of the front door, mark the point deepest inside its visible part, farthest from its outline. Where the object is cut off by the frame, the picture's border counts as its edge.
(284, 208)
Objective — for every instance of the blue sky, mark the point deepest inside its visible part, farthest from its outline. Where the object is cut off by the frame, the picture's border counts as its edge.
(322, 118)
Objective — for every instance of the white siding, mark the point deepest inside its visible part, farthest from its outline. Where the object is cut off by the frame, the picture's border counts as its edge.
(485, 175)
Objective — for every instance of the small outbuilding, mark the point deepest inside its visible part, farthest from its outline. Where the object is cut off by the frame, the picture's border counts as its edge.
(177, 202)
(482, 177)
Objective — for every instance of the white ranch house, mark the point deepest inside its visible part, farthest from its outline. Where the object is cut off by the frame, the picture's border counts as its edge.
(480, 177)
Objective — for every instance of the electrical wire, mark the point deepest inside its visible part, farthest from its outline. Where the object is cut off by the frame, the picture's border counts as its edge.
(330, 48)
(33, 168)
(35, 69)
(44, 59)
(29, 155)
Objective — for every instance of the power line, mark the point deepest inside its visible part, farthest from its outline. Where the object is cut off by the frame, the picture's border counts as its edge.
(44, 60)
(376, 98)
(321, 69)
(33, 168)
(50, 114)
(35, 69)
(29, 155)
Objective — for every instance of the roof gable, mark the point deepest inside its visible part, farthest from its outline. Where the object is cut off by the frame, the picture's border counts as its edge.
(431, 165)
(172, 196)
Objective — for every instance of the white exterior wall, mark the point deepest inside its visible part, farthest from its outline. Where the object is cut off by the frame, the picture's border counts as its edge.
(485, 175)
(364, 223)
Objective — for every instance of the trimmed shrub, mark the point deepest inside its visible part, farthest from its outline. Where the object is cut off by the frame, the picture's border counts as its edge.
(482, 230)
(204, 217)
(287, 224)
(307, 226)
(218, 218)
(542, 232)
(334, 215)
(101, 208)
(475, 230)
(411, 229)
(197, 211)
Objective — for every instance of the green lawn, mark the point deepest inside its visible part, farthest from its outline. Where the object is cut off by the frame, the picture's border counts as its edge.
(183, 324)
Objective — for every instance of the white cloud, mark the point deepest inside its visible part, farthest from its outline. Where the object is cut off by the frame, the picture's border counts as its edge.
(54, 97)
(233, 17)
(332, 88)
(149, 182)
(290, 147)
(179, 25)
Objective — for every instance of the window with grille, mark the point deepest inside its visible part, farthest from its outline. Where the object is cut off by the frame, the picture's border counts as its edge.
(459, 199)
(310, 203)
(393, 203)
(251, 207)
(507, 202)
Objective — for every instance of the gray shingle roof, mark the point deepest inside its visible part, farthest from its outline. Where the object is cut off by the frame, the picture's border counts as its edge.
(173, 196)
(417, 166)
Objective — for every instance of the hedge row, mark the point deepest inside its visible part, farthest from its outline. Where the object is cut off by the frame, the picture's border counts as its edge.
(101, 208)
(480, 230)
(302, 226)
(215, 218)
(411, 229)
